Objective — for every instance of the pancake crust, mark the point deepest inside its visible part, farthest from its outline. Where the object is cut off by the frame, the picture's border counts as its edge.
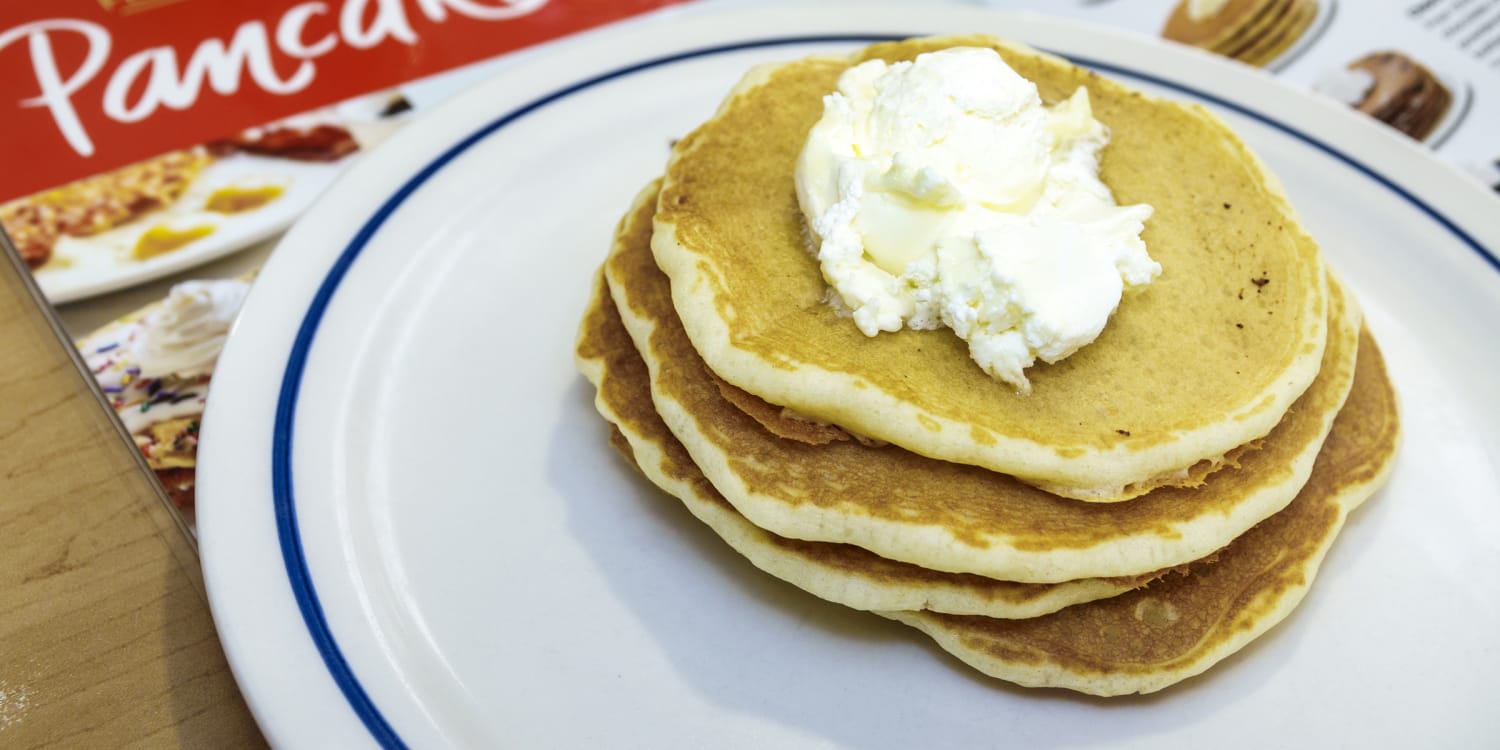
(945, 516)
(1291, 28)
(1180, 626)
(1206, 359)
(1255, 28)
(776, 419)
(839, 573)
(1233, 20)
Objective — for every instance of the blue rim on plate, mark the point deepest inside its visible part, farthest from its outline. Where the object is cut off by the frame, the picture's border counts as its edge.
(289, 538)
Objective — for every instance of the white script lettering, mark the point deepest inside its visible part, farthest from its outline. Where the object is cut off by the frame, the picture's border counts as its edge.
(250, 49)
(57, 93)
(437, 10)
(289, 32)
(390, 21)
(162, 82)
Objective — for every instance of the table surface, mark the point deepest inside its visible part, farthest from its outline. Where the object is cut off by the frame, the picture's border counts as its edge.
(105, 634)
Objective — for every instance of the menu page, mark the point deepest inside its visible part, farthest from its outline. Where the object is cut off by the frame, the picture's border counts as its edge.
(155, 149)
(144, 137)
(1428, 68)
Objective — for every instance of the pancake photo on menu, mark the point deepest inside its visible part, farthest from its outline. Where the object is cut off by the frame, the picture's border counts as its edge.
(154, 367)
(1256, 32)
(957, 333)
(1396, 90)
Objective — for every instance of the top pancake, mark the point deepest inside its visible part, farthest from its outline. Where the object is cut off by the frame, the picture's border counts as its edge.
(1203, 360)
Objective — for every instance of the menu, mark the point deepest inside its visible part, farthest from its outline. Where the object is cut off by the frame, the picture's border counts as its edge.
(1428, 68)
(147, 137)
(144, 138)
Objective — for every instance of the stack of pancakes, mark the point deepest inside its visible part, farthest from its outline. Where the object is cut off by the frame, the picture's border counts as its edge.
(1157, 501)
(1403, 93)
(1251, 31)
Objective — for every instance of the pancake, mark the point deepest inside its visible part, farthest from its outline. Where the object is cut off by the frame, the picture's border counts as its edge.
(1207, 358)
(1404, 94)
(945, 516)
(1235, 20)
(1266, 21)
(1276, 42)
(778, 420)
(1180, 626)
(840, 573)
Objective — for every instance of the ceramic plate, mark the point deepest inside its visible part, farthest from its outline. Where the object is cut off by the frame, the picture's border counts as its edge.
(415, 533)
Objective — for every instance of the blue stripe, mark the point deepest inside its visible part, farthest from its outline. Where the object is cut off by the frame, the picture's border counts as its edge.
(288, 534)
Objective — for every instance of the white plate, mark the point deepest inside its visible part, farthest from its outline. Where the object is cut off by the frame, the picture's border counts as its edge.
(414, 531)
(84, 267)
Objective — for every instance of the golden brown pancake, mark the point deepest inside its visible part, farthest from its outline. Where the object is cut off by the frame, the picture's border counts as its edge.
(947, 516)
(840, 573)
(1205, 359)
(778, 420)
(1252, 30)
(1237, 19)
(1266, 23)
(1280, 38)
(1180, 626)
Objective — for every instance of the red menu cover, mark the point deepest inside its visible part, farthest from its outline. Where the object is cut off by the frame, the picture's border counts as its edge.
(90, 85)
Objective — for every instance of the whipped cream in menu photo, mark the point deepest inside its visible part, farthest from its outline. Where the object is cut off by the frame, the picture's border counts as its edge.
(154, 367)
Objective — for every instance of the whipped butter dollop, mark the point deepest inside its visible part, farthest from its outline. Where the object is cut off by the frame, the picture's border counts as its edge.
(943, 192)
(185, 335)
(1347, 85)
(1202, 10)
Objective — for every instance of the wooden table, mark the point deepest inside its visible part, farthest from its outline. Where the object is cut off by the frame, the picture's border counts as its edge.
(105, 634)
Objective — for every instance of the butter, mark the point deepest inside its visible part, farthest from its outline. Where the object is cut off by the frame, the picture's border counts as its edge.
(942, 192)
(1347, 85)
(1202, 10)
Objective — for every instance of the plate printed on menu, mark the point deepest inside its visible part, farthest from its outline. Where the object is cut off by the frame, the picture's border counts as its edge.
(187, 207)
